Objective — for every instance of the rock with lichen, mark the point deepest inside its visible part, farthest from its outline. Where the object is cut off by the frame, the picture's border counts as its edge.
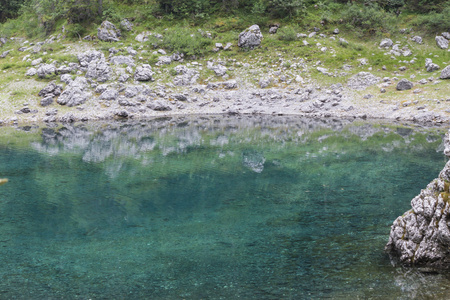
(421, 236)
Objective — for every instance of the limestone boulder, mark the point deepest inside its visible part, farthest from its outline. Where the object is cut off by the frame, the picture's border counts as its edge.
(441, 42)
(144, 73)
(75, 93)
(250, 38)
(421, 236)
(108, 32)
(445, 74)
(46, 70)
(430, 66)
(404, 84)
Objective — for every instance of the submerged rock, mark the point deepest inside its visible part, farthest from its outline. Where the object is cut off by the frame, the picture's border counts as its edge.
(421, 236)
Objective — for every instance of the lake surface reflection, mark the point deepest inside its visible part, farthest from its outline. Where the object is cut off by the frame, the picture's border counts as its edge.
(212, 208)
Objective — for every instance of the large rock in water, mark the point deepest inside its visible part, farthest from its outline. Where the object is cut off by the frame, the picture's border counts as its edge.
(108, 32)
(421, 236)
(250, 38)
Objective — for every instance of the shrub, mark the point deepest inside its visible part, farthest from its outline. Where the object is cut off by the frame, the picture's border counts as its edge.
(435, 22)
(368, 19)
(287, 33)
(180, 39)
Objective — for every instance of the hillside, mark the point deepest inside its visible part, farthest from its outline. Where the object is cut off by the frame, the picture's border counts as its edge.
(315, 58)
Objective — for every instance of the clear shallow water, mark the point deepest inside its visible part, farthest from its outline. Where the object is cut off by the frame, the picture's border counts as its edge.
(212, 208)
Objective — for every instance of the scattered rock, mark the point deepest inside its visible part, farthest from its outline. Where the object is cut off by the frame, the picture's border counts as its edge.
(46, 70)
(144, 73)
(185, 76)
(386, 43)
(404, 84)
(4, 54)
(122, 60)
(445, 74)
(446, 35)
(430, 66)
(47, 101)
(87, 57)
(109, 94)
(336, 31)
(250, 38)
(164, 60)
(417, 39)
(31, 72)
(362, 80)
(273, 28)
(158, 106)
(52, 89)
(74, 93)
(441, 42)
(126, 25)
(108, 32)
(231, 84)
(218, 69)
(143, 37)
(99, 70)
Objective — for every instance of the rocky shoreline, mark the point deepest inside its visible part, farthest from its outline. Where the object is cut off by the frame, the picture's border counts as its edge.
(121, 85)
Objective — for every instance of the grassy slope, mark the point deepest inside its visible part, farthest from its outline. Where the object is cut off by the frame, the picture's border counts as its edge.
(291, 57)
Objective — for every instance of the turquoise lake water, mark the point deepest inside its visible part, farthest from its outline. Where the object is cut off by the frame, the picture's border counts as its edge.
(212, 208)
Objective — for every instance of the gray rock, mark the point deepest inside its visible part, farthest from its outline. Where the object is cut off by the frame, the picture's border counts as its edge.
(421, 236)
(3, 41)
(52, 89)
(158, 106)
(144, 73)
(46, 70)
(336, 31)
(143, 37)
(230, 84)
(417, 39)
(46, 101)
(63, 70)
(180, 97)
(218, 69)
(74, 94)
(430, 66)
(250, 38)
(68, 118)
(101, 88)
(185, 76)
(31, 72)
(66, 78)
(36, 61)
(446, 35)
(109, 94)
(87, 57)
(108, 32)
(343, 41)
(386, 43)
(122, 60)
(99, 70)
(126, 25)
(445, 74)
(273, 29)
(131, 51)
(4, 54)
(404, 84)
(228, 46)
(441, 42)
(362, 80)
(264, 82)
(164, 60)
(132, 91)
